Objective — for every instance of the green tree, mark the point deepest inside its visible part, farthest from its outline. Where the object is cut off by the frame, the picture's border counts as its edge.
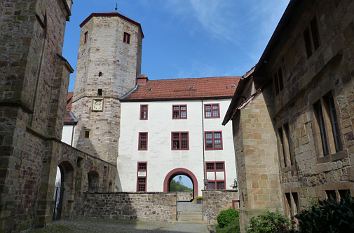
(178, 187)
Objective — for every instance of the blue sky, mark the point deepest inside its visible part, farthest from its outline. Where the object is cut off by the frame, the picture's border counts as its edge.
(189, 38)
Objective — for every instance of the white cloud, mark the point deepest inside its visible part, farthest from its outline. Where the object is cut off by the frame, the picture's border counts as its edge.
(209, 14)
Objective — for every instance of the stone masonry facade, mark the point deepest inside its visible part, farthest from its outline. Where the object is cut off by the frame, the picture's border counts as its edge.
(130, 206)
(301, 94)
(215, 201)
(108, 63)
(33, 88)
(257, 161)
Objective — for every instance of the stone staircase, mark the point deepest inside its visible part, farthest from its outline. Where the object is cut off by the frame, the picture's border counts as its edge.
(189, 212)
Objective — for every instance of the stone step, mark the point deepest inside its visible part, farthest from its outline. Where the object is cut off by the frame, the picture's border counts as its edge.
(190, 217)
(188, 206)
(197, 213)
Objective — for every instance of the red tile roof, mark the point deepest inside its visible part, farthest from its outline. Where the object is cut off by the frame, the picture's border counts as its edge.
(185, 88)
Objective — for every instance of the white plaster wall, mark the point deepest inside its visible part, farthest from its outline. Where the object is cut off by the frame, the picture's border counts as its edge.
(159, 156)
(67, 134)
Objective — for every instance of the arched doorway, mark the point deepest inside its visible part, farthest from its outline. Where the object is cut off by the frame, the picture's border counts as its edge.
(93, 181)
(180, 171)
(63, 190)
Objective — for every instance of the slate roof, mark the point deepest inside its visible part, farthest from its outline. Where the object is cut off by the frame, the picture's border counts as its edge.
(184, 88)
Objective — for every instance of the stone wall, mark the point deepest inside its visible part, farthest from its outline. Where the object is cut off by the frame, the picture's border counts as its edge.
(184, 196)
(256, 159)
(215, 201)
(34, 80)
(307, 79)
(129, 206)
(75, 167)
(276, 130)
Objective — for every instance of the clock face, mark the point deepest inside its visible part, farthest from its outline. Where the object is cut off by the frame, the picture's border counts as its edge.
(97, 104)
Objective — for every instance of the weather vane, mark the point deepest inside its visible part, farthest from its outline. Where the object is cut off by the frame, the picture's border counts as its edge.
(116, 8)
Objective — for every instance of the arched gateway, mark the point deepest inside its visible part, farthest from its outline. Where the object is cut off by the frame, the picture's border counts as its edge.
(180, 171)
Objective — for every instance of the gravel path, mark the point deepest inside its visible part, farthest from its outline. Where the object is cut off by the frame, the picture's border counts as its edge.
(99, 226)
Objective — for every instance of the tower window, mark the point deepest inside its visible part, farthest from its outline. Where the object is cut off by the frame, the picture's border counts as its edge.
(126, 38)
(99, 92)
(85, 37)
(87, 133)
(100, 74)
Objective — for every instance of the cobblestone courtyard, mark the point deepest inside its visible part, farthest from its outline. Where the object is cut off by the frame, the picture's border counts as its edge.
(100, 226)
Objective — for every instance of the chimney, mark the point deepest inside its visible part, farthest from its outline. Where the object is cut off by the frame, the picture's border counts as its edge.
(142, 80)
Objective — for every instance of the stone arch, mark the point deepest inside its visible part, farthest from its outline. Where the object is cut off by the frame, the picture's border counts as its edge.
(181, 171)
(65, 193)
(93, 179)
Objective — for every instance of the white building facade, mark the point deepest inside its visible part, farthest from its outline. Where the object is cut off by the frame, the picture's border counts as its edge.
(173, 127)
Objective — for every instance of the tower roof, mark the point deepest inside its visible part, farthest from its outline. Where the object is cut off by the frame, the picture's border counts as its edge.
(112, 14)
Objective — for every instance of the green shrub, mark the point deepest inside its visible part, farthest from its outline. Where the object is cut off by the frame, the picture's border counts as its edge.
(269, 222)
(328, 217)
(233, 227)
(226, 217)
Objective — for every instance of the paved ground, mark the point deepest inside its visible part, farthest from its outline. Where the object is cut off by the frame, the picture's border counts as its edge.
(99, 226)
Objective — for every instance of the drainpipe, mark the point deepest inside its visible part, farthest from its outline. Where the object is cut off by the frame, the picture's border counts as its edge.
(204, 174)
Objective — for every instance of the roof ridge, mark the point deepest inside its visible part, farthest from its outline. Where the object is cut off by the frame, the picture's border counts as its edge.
(191, 78)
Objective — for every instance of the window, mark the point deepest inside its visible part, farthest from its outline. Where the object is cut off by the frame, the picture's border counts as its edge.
(87, 133)
(141, 186)
(126, 38)
(312, 37)
(85, 37)
(142, 166)
(99, 92)
(344, 193)
(278, 81)
(213, 140)
(143, 112)
(326, 126)
(141, 177)
(215, 172)
(331, 195)
(285, 144)
(180, 141)
(292, 204)
(179, 112)
(100, 74)
(212, 110)
(143, 141)
(337, 195)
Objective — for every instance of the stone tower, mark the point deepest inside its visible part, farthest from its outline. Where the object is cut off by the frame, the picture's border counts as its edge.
(109, 61)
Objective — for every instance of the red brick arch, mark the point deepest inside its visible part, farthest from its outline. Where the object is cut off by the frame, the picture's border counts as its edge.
(181, 171)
